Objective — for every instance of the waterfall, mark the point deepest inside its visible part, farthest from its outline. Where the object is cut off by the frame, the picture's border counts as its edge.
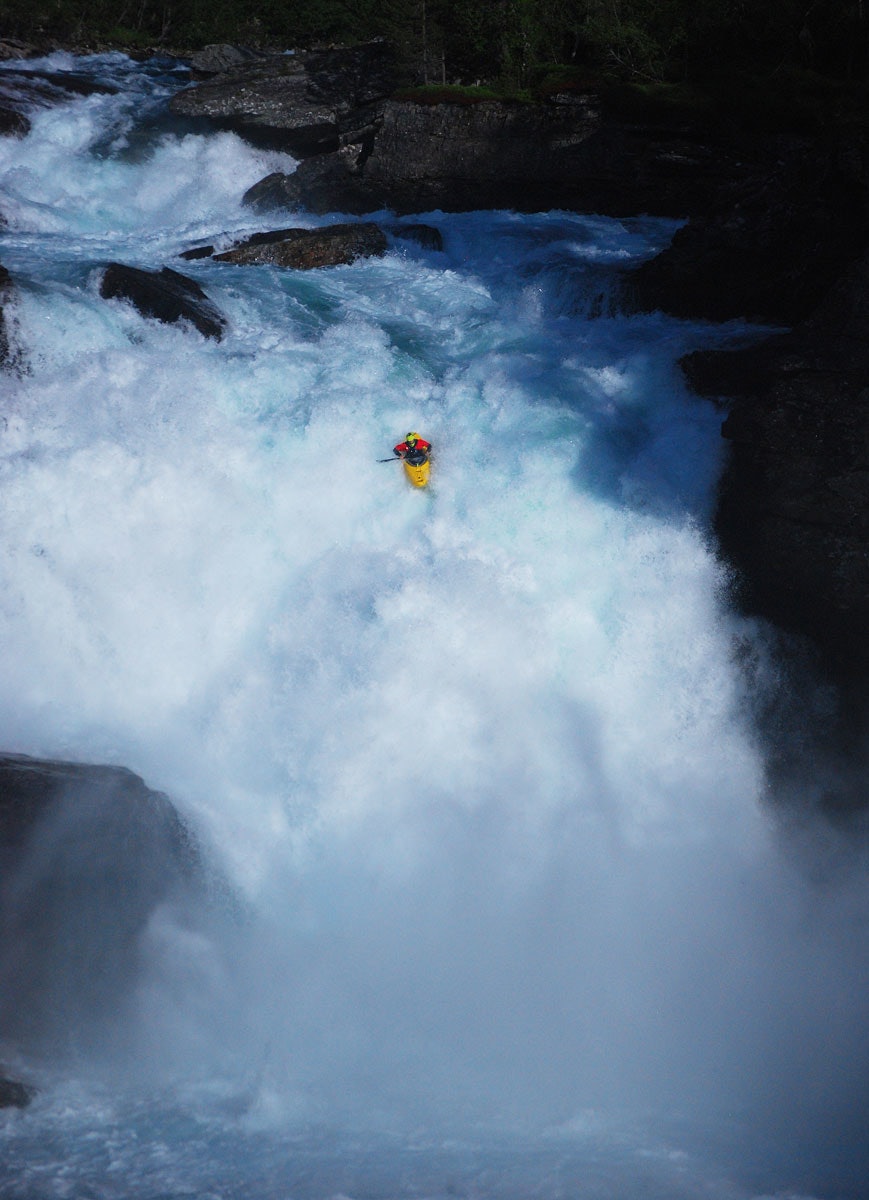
(499, 903)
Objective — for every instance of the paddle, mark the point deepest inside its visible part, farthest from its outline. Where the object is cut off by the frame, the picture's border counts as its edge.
(394, 458)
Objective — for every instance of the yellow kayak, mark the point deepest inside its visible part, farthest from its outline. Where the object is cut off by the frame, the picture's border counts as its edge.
(418, 473)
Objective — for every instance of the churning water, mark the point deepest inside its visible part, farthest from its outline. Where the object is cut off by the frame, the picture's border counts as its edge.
(502, 911)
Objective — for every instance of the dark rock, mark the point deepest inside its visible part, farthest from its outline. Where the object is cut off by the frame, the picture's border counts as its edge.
(719, 373)
(305, 103)
(166, 295)
(14, 1094)
(86, 855)
(197, 252)
(277, 190)
(47, 86)
(793, 509)
(305, 249)
(424, 235)
(528, 157)
(75, 84)
(487, 155)
(273, 191)
(5, 293)
(12, 123)
(321, 184)
(776, 244)
(10, 358)
(11, 48)
(212, 60)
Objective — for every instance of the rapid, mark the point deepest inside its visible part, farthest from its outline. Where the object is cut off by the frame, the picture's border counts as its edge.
(501, 904)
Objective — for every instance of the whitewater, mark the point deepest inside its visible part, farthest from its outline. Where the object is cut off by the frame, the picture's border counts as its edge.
(500, 903)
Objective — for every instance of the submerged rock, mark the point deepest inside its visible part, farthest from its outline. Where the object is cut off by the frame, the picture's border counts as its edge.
(166, 295)
(305, 249)
(5, 293)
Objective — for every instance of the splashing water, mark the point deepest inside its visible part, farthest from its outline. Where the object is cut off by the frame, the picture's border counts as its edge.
(476, 764)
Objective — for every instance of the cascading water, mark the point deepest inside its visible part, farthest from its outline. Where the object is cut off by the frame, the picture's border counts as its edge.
(502, 911)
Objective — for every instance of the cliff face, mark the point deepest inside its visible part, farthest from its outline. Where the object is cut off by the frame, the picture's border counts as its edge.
(773, 244)
(793, 512)
(458, 157)
(534, 157)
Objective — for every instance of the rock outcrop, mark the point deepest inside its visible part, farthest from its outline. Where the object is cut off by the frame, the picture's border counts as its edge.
(304, 103)
(527, 157)
(774, 245)
(218, 58)
(364, 150)
(165, 295)
(793, 512)
(86, 855)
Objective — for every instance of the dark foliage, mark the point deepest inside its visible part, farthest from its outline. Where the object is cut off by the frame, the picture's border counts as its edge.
(511, 43)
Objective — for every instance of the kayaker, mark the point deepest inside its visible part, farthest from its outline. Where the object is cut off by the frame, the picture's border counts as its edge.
(414, 448)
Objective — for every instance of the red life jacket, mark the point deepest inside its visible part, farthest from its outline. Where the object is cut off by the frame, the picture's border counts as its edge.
(403, 448)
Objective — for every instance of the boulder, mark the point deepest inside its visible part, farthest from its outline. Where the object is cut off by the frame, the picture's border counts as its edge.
(305, 103)
(305, 249)
(321, 184)
(166, 295)
(86, 855)
(43, 86)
